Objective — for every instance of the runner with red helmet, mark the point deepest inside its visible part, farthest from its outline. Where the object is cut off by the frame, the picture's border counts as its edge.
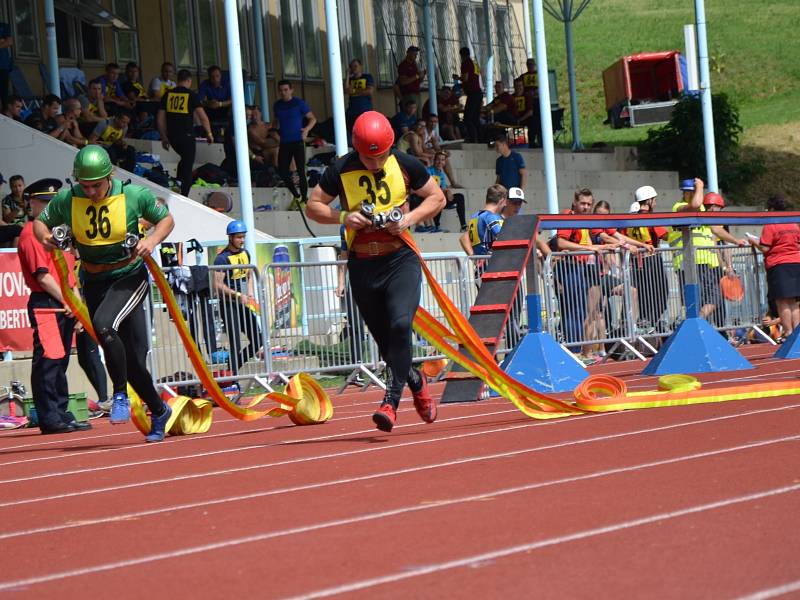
(373, 184)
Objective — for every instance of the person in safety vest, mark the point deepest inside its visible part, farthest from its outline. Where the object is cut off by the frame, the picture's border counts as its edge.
(102, 216)
(373, 184)
(706, 258)
(235, 290)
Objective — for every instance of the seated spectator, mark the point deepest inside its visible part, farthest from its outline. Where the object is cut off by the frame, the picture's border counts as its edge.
(411, 143)
(10, 228)
(216, 98)
(447, 110)
(111, 135)
(13, 108)
(165, 81)
(111, 86)
(93, 110)
(456, 201)
(70, 114)
(45, 117)
(432, 142)
(509, 166)
(404, 120)
(263, 140)
(131, 86)
(502, 107)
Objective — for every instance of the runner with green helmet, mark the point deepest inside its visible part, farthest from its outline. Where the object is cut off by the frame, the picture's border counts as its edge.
(103, 216)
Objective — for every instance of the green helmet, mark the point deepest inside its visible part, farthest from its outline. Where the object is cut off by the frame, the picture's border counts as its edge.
(91, 163)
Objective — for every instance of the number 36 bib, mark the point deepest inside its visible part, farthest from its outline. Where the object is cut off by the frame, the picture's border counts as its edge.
(99, 223)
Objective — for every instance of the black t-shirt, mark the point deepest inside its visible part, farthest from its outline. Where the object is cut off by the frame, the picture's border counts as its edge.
(415, 175)
(180, 103)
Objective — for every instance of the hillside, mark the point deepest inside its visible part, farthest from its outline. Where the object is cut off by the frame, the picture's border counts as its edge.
(755, 59)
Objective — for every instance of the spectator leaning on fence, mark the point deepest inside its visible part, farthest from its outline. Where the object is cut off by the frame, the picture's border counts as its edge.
(780, 243)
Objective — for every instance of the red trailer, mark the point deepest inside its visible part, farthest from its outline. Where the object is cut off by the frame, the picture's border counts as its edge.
(642, 89)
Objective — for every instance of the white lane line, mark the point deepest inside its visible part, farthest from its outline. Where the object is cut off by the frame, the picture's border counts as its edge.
(17, 503)
(781, 590)
(98, 568)
(86, 470)
(347, 480)
(537, 545)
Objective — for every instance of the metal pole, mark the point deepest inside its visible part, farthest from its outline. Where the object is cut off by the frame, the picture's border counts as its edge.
(488, 78)
(240, 124)
(573, 88)
(705, 96)
(263, 95)
(53, 79)
(526, 18)
(335, 69)
(544, 108)
(428, 24)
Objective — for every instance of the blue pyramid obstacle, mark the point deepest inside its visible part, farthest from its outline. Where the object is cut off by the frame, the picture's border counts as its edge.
(791, 347)
(539, 362)
(696, 347)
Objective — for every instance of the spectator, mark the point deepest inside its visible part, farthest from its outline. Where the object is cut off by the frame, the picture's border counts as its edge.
(483, 228)
(502, 107)
(404, 120)
(180, 106)
(530, 85)
(93, 110)
(526, 108)
(69, 120)
(164, 82)
(409, 78)
(453, 200)
(509, 166)
(413, 142)
(571, 271)
(780, 243)
(360, 87)
(432, 142)
(471, 82)
(263, 140)
(290, 114)
(111, 135)
(14, 212)
(447, 109)
(13, 107)
(111, 86)
(6, 62)
(131, 86)
(45, 118)
(649, 277)
(216, 98)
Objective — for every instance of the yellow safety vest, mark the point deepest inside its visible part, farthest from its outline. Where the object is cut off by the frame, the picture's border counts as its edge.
(702, 237)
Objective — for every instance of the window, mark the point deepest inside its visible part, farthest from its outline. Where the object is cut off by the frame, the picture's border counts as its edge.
(76, 40)
(126, 42)
(300, 39)
(351, 32)
(503, 58)
(26, 27)
(194, 26)
(247, 36)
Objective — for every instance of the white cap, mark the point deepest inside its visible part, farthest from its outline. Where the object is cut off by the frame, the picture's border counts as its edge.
(635, 207)
(516, 193)
(645, 193)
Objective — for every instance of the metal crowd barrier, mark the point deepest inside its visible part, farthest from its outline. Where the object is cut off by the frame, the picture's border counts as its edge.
(306, 320)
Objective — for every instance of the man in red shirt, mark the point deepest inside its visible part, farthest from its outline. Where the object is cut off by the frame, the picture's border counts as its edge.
(471, 83)
(409, 77)
(52, 323)
(530, 86)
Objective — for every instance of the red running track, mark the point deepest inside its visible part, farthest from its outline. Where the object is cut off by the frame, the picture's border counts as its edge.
(691, 502)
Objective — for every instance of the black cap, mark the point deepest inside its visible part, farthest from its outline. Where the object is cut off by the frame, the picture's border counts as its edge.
(43, 189)
(412, 49)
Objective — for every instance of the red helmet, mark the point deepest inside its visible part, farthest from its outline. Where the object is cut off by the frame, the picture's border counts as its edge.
(372, 134)
(713, 199)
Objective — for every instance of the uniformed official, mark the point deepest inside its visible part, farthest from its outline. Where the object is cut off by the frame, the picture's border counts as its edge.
(179, 108)
(52, 324)
(385, 274)
(103, 216)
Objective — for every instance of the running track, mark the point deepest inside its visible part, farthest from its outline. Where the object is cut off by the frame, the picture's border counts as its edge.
(691, 502)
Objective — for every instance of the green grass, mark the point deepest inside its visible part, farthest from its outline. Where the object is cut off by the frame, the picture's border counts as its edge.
(753, 45)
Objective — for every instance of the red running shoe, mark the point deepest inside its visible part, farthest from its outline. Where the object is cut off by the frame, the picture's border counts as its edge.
(425, 405)
(385, 417)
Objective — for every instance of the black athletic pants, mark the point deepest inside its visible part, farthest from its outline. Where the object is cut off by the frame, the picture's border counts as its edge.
(117, 311)
(458, 203)
(186, 147)
(89, 360)
(472, 116)
(239, 319)
(386, 290)
(287, 152)
(49, 375)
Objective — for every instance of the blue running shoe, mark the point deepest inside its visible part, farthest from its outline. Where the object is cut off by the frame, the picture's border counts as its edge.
(158, 426)
(120, 409)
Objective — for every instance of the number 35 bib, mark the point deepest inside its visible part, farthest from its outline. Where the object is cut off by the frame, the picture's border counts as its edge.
(99, 223)
(385, 192)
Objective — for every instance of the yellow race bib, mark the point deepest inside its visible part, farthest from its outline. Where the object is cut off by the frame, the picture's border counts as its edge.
(241, 258)
(111, 134)
(178, 103)
(519, 102)
(530, 80)
(99, 223)
(358, 85)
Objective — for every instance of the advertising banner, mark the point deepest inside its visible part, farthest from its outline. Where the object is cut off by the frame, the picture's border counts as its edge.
(15, 328)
